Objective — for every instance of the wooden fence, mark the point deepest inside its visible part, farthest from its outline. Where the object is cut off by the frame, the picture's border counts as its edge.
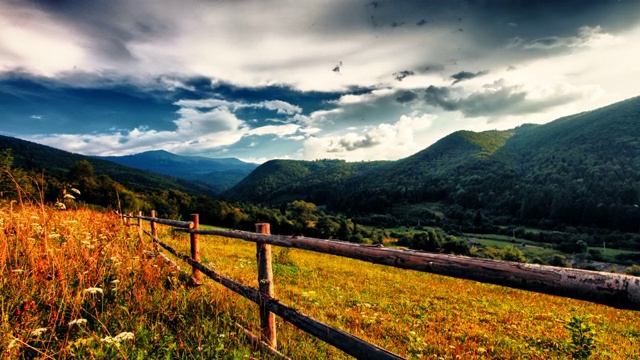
(615, 290)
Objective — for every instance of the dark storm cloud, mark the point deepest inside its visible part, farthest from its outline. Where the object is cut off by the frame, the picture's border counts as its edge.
(489, 24)
(406, 96)
(465, 75)
(500, 101)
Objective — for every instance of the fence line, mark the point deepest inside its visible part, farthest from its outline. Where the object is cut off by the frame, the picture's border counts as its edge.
(616, 290)
(342, 340)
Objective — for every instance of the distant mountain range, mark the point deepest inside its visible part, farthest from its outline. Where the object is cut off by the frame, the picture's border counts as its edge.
(31, 156)
(218, 174)
(580, 170)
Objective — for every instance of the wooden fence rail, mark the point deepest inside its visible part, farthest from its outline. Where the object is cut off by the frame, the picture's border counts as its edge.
(616, 290)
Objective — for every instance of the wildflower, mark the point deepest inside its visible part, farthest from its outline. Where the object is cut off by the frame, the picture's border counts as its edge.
(93, 290)
(124, 336)
(77, 322)
(39, 331)
(69, 196)
(118, 338)
(75, 191)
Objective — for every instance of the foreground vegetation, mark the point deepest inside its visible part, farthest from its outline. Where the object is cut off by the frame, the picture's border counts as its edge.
(76, 284)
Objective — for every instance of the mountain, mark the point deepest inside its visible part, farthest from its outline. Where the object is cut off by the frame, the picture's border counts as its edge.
(580, 170)
(217, 174)
(55, 162)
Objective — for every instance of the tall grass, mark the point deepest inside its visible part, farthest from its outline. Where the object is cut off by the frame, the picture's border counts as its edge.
(77, 284)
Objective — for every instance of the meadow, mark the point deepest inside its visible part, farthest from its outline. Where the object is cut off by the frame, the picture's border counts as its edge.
(77, 284)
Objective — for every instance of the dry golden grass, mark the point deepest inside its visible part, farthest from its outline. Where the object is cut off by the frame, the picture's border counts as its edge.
(419, 315)
(76, 284)
(54, 262)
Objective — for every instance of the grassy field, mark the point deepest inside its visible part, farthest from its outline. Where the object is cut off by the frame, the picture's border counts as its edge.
(52, 264)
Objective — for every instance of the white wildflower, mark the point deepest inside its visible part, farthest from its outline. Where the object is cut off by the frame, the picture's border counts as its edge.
(39, 331)
(118, 338)
(69, 196)
(75, 191)
(124, 336)
(93, 290)
(77, 322)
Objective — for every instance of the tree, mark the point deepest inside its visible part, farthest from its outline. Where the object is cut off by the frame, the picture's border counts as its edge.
(82, 176)
(344, 232)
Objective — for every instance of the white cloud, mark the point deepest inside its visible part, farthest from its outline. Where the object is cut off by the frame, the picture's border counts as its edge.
(281, 107)
(382, 142)
(279, 130)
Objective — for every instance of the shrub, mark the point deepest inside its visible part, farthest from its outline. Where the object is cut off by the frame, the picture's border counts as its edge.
(559, 260)
(633, 270)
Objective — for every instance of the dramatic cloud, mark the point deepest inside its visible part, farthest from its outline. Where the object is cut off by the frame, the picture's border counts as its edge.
(345, 79)
(497, 99)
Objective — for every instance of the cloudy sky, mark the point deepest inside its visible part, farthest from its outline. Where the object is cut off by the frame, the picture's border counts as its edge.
(257, 80)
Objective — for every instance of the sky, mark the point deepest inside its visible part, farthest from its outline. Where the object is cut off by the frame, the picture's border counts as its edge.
(259, 79)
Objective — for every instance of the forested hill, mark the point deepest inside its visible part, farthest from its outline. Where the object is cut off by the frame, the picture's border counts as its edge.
(216, 174)
(319, 181)
(54, 162)
(581, 170)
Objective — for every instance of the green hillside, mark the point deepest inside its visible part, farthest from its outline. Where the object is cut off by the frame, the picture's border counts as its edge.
(580, 170)
(284, 180)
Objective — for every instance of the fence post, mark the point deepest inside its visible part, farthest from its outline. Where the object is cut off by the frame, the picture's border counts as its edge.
(154, 231)
(196, 276)
(265, 286)
(140, 233)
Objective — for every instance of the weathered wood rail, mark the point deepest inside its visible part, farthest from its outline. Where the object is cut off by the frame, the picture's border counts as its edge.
(615, 290)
